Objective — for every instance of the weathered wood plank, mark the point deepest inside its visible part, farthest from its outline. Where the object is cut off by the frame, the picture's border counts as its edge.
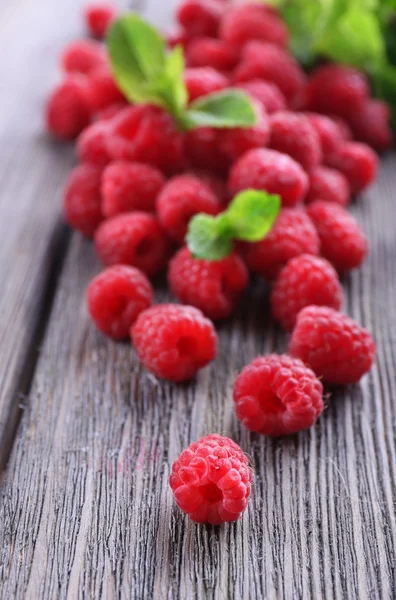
(86, 508)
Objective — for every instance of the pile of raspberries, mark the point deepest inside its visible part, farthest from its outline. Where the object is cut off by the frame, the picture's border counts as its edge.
(140, 180)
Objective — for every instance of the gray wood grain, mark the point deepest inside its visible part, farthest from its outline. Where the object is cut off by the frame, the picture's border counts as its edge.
(86, 511)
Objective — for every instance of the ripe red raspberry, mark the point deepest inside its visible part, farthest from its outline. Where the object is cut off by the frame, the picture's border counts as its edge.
(293, 234)
(293, 134)
(265, 92)
(212, 286)
(67, 111)
(211, 480)
(332, 344)
(371, 125)
(269, 170)
(133, 239)
(242, 24)
(102, 89)
(342, 241)
(200, 17)
(208, 52)
(203, 152)
(99, 17)
(180, 199)
(127, 187)
(330, 134)
(233, 143)
(336, 89)
(329, 185)
(116, 297)
(358, 163)
(82, 56)
(174, 341)
(81, 201)
(149, 135)
(201, 81)
(266, 61)
(92, 144)
(305, 280)
(277, 395)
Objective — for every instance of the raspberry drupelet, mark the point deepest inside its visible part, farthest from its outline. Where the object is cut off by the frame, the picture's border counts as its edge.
(272, 171)
(342, 240)
(116, 297)
(128, 186)
(357, 162)
(147, 134)
(278, 395)
(293, 234)
(173, 341)
(180, 199)
(98, 17)
(211, 480)
(135, 239)
(332, 344)
(304, 281)
(67, 111)
(212, 286)
(329, 185)
(82, 199)
(82, 56)
(293, 134)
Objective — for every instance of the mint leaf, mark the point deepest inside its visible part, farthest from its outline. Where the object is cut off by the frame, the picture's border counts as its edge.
(170, 84)
(226, 109)
(206, 238)
(252, 214)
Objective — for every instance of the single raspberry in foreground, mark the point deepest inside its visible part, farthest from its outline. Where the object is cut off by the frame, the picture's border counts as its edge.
(82, 199)
(305, 280)
(332, 344)
(116, 297)
(99, 16)
(174, 341)
(278, 395)
(211, 480)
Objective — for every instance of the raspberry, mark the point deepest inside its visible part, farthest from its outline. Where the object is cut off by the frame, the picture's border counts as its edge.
(82, 199)
(82, 56)
(277, 395)
(293, 234)
(266, 61)
(336, 89)
(330, 134)
(265, 92)
(342, 241)
(182, 198)
(174, 341)
(269, 170)
(128, 187)
(67, 112)
(305, 280)
(212, 286)
(371, 125)
(147, 134)
(332, 344)
(358, 163)
(99, 17)
(116, 297)
(242, 24)
(216, 184)
(233, 143)
(293, 134)
(133, 239)
(200, 17)
(202, 81)
(208, 52)
(110, 111)
(92, 144)
(211, 480)
(329, 185)
(102, 89)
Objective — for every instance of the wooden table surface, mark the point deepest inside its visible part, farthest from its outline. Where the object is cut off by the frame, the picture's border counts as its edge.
(87, 436)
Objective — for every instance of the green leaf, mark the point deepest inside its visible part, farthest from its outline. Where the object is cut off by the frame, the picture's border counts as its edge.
(207, 238)
(226, 109)
(252, 214)
(170, 84)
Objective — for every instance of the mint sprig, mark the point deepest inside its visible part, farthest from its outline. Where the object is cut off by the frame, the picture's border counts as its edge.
(249, 217)
(147, 73)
